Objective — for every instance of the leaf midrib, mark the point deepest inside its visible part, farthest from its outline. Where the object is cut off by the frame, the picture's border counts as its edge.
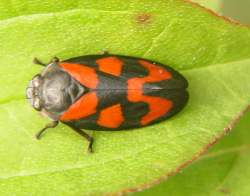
(78, 9)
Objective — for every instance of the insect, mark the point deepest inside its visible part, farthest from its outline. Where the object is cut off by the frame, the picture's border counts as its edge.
(106, 92)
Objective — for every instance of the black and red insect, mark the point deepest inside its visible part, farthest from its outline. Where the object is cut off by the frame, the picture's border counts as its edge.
(106, 92)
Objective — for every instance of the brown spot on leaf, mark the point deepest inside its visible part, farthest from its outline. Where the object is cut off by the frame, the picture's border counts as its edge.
(143, 18)
(224, 190)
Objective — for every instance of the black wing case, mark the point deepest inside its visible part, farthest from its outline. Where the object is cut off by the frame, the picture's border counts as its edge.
(115, 93)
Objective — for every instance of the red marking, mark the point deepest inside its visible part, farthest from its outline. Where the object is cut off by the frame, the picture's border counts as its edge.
(84, 107)
(111, 65)
(111, 117)
(157, 106)
(82, 73)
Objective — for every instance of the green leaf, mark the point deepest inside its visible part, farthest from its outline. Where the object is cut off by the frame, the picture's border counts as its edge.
(214, 5)
(212, 53)
(224, 170)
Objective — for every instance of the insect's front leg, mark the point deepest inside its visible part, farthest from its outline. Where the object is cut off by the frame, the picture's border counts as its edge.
(53, 60)
(38, 62)
(53, 124)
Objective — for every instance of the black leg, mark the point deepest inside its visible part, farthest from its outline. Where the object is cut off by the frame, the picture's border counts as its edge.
(38, 62)
(104, 52)
(85, 135)
(53, 124)
(55, 60)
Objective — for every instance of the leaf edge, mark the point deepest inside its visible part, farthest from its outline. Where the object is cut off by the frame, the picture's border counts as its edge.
(165, 176)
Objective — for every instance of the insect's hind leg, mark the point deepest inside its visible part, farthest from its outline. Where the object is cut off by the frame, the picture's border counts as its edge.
(85, 135)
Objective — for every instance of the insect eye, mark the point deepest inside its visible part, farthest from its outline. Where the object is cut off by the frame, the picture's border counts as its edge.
(37, 104)
(36, 80)
(29, 93)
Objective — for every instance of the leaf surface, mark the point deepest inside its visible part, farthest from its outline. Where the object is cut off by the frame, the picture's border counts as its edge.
(227, 164)
(212, 53)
